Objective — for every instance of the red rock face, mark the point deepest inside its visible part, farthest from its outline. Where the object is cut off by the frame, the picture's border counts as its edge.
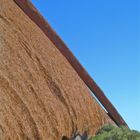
(41, 96)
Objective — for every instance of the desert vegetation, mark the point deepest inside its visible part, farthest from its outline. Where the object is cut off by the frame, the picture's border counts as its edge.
(109, 132)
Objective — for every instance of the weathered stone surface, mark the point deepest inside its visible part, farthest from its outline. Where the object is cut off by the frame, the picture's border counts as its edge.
(41, 96)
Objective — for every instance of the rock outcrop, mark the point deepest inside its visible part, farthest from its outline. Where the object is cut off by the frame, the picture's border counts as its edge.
(41, 96)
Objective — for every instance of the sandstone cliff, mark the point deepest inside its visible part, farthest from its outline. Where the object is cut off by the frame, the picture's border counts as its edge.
(41, 96)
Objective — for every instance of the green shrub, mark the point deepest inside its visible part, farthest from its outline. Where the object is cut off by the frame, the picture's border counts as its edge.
(109, 132)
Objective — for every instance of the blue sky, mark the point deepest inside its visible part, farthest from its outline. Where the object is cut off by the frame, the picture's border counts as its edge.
(105, 36)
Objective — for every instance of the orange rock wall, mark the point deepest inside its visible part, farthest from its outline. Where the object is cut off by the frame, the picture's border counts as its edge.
(41, 96)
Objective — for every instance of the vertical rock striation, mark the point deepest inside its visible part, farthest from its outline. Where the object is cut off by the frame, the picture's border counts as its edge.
(41, 96)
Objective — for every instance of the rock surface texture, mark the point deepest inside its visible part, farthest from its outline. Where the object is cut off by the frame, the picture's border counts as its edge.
(41, 96)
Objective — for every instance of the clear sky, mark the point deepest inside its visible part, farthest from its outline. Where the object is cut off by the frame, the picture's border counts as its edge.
(105, 36)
